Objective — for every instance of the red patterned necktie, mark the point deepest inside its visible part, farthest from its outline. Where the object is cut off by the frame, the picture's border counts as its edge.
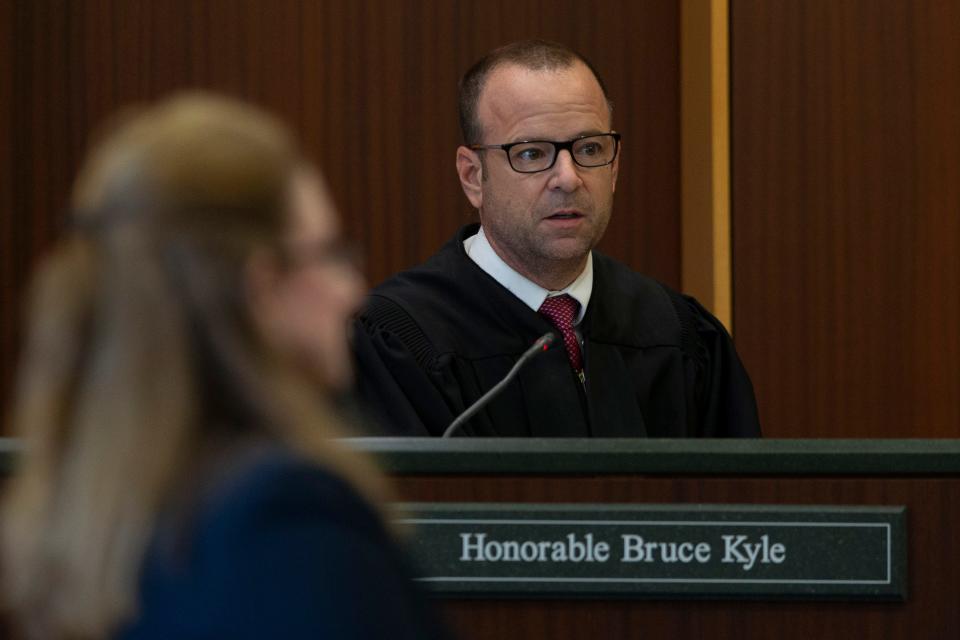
(561, 311)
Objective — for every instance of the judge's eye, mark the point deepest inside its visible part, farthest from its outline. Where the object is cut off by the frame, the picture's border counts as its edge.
(590, 149)
(528, 154)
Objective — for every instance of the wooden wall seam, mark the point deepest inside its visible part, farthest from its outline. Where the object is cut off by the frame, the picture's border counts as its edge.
(705, 155)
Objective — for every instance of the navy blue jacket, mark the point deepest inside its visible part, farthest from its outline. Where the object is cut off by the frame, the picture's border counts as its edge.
(279, 548)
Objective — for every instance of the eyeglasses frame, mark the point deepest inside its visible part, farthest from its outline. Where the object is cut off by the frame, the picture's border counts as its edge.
(557, 146)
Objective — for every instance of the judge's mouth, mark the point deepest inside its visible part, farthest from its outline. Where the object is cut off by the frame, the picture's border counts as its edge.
(565, 214)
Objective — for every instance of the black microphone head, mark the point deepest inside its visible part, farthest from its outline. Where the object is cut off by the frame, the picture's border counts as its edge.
(546, 340)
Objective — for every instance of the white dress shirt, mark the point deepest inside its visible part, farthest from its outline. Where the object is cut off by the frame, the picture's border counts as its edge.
(532, 294)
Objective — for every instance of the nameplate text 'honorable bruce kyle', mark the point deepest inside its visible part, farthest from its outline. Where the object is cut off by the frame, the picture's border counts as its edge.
(661, 550)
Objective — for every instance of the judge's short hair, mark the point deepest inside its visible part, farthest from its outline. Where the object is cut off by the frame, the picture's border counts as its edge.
(535, 55)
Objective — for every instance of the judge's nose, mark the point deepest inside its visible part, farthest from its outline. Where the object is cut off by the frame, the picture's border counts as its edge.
(565, 175)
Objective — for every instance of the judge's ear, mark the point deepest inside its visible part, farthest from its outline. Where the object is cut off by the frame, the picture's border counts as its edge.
(470, 171)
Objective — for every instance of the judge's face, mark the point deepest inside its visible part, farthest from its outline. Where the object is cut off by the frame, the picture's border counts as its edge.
(309, 302)
(540, 223)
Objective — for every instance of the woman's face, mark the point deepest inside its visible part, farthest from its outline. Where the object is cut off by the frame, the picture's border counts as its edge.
(315, 295)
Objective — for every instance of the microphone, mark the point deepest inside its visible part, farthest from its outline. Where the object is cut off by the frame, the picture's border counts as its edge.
(542, 344)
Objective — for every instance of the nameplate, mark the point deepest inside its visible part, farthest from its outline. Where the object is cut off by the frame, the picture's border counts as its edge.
(695, 551)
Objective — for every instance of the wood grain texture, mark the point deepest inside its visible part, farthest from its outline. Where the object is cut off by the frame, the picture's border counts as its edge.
(929, 611)
(705, 155)
(846, 214)
(369, 85)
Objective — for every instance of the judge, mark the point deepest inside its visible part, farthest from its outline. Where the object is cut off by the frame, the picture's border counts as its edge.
(633, 357)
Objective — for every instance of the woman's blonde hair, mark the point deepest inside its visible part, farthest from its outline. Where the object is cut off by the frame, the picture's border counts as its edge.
(141, 350)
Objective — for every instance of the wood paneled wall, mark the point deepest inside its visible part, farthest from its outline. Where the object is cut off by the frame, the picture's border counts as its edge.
(845, 158)
(846, 214)
(370, 85)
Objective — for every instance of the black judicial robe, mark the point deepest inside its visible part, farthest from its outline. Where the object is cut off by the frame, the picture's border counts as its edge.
(431, 340)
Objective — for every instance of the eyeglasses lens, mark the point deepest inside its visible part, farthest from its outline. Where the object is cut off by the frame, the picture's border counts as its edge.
(592, 151)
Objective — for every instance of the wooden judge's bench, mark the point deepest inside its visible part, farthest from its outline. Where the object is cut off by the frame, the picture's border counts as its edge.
(688, 539)
(910, 487)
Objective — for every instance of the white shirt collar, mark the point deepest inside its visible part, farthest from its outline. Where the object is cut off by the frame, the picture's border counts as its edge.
(532, 294)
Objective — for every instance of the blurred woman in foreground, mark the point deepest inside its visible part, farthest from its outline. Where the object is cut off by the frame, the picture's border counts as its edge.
(180, 478)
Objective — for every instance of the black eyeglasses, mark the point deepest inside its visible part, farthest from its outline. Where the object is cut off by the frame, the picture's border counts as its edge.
(532, 156)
